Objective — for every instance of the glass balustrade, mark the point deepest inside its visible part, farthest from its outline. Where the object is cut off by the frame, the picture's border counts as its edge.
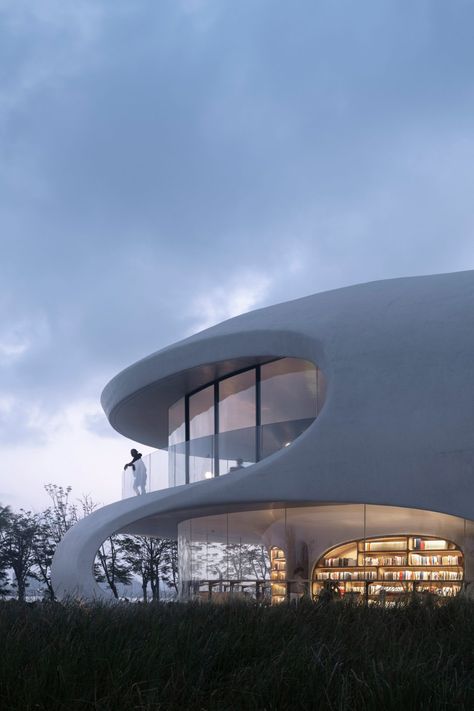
(230, 451)
(233, 423)
(156, 464)
(227, 452)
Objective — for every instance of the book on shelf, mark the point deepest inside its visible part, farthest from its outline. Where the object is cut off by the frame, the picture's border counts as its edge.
(386, 560)
(429, 545)
(352, 575)
(416, 559)
(339, 562)
(394, 545)
(422, 575)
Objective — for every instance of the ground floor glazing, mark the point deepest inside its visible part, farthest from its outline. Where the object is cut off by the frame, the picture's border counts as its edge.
(344, 550)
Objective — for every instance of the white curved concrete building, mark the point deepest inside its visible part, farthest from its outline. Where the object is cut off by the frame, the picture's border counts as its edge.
(333, 434)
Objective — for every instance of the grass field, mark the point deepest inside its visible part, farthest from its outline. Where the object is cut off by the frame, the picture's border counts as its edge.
(236, 656)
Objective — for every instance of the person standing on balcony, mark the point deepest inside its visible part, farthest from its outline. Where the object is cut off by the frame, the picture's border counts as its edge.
(139, 472)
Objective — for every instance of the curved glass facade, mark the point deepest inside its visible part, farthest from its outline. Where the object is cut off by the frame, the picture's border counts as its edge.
(242, 418)
(353, 550)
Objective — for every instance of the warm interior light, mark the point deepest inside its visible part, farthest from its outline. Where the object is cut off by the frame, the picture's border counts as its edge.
(208, 475)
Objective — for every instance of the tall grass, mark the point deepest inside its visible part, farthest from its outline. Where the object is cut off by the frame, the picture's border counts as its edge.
(236, 656)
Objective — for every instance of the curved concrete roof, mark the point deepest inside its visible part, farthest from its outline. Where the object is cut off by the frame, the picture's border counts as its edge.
(397, 427)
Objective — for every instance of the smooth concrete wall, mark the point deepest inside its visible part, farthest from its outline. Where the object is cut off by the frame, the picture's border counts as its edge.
(398, 423)
(397, 427)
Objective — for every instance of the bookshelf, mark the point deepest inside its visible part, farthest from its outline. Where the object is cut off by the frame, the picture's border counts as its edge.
(278, 575)
(390, 566)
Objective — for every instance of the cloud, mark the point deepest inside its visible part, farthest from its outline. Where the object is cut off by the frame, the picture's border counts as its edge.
(22, 424)
(45, 44)
(244, 291)
(98, 424)
(165, 166)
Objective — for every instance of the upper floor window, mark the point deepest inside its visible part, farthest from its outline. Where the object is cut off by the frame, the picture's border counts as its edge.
(288, 390)
(177, 426)
(242, 418)
(201, 413)
(237, 401)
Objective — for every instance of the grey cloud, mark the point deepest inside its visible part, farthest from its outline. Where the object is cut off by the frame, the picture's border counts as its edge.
(98, 425)
(158, 153)
(20, 426)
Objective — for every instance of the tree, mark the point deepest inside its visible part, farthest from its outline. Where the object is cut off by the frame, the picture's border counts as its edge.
(170, 565)
(5, 515)
(133, 554)
(53, 523)
(257, 561)
(17, 546)
(44, 546)
(153, 560)
(62, 514)
(28, 542)
(111, 567)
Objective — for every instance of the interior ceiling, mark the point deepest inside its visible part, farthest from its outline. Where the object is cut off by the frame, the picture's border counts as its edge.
(143, 417)
(251, 525)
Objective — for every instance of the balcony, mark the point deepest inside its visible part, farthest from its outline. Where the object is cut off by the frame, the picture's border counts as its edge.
(215, 455)
(156, 464)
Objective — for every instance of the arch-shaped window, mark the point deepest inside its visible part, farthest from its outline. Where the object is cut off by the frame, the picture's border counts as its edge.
(390, 566)
(242, 418)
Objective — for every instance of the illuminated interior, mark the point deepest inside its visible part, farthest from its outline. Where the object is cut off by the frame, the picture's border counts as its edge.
(278, 575)
(277, 553)
(391, 566)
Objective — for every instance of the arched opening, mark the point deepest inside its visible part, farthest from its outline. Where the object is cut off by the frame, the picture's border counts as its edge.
(390, 566)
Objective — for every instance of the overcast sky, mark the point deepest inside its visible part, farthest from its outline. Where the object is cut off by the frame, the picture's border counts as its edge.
(167, 164)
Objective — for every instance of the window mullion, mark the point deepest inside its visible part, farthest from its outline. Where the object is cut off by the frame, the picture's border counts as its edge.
(186, 437)
(258, 414)
(216, 428)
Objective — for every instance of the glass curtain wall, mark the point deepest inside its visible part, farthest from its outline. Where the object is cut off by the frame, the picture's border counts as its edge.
(356, 551)
(242, 418)
(219, 557)
(237, 422)
(201, 434)
(177, 444)
(289, 402)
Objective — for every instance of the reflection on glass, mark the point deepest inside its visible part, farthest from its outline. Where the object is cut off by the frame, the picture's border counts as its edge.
(237, 401)
(201, 413)
(201, 458)
(291, 395)
(176, 426)
(288, 391)
(219, 558)
(280, 434)
(177, 464)
(237, 449)
(184, 558)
